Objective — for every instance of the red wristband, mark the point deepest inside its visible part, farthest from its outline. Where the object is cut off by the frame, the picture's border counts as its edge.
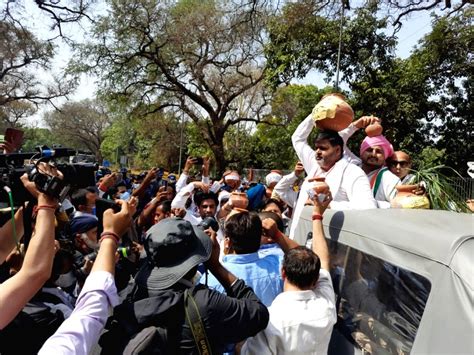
(109, 235)
(46, 207)
(51, 207)
(317, 217)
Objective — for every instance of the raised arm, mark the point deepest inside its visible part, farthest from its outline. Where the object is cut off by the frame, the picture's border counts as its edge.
(271, 230)
(347, 133)
(300, 143)
(150, 176)
(205, 170)
(183, 178)
(146, 216)
(82, 329)
(320, 246)
(37, 265)
(284, 188)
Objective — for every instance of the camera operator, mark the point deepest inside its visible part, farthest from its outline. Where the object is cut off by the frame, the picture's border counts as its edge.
(82, 329)
(83, 233)
(37, 264)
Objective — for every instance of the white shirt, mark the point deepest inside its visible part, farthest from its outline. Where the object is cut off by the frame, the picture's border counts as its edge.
(78, 334)
(284, 190)
(348, 183)
(301, 322)
(386, 190)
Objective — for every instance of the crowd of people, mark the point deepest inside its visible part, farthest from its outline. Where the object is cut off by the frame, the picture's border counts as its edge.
(162, 264)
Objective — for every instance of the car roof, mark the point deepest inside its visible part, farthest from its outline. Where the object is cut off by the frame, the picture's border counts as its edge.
(441, 236)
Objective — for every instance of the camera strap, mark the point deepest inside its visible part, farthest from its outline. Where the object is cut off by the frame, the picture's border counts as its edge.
(27, 219)
(195, 323)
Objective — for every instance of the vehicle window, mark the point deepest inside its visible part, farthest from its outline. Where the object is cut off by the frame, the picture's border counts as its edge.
(379, 304)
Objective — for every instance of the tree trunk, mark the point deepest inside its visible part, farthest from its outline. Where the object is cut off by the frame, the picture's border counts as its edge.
(218, 151)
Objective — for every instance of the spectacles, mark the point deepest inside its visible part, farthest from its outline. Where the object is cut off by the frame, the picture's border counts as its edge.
(394, 163)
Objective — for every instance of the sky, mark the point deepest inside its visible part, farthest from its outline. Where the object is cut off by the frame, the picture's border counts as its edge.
(412, 30)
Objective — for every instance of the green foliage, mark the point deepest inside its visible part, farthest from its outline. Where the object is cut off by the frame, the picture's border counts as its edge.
(34, 137)
(445, 59)
(80, 125)
(440, 188)
(429, 156)
(200, 58)
(290, 105)
(148, 140)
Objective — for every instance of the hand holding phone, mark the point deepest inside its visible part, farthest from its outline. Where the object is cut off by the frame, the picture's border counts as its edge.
(15, 137)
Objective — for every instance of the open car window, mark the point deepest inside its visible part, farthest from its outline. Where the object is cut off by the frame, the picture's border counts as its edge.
(379, 304)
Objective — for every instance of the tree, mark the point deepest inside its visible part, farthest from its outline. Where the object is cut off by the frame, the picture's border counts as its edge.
(203, 58)
(445, 63)
(273, 148)
(21, 54)
(401, 9)
(55, 13)
(35, 137)
(14, 113)
(80, 125)
(148, 141)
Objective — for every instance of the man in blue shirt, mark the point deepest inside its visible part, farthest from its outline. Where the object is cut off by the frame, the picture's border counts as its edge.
(242, 234)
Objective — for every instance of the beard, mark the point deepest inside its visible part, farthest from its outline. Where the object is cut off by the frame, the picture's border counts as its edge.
(373, 163)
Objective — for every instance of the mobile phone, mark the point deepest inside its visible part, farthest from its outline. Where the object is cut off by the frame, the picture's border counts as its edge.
(2, 138)
(312, 194)
(14, 136)
(198, 160)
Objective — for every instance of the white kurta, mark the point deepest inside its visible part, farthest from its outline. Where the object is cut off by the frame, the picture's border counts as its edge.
(386, 190)
(301, 322)
(349, 185)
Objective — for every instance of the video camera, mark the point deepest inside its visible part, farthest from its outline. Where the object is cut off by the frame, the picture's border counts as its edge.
(12, 167)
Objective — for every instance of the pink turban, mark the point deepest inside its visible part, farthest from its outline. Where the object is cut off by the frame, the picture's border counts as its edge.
(381, 141)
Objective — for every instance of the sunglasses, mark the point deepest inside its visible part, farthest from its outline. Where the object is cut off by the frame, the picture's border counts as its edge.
(394, 163)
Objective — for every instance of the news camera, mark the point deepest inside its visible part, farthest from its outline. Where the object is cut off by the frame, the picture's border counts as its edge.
(12, 167)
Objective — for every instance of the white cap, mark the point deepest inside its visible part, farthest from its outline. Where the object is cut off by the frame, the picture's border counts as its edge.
(273, 177)
(232, 176)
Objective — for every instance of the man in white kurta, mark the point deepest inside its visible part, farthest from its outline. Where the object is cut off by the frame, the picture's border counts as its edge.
(348, 183)
(302, 317)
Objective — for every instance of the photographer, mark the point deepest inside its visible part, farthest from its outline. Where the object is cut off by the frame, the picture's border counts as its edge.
(83, 233)
(37, 265)
(82, 329)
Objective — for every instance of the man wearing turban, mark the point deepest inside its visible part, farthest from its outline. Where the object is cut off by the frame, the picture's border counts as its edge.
(374, 151)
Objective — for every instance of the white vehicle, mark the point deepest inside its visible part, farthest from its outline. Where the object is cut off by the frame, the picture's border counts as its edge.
(404, 280)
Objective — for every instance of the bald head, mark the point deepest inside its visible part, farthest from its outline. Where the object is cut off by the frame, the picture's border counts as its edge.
(399, 155)
(400, 164)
